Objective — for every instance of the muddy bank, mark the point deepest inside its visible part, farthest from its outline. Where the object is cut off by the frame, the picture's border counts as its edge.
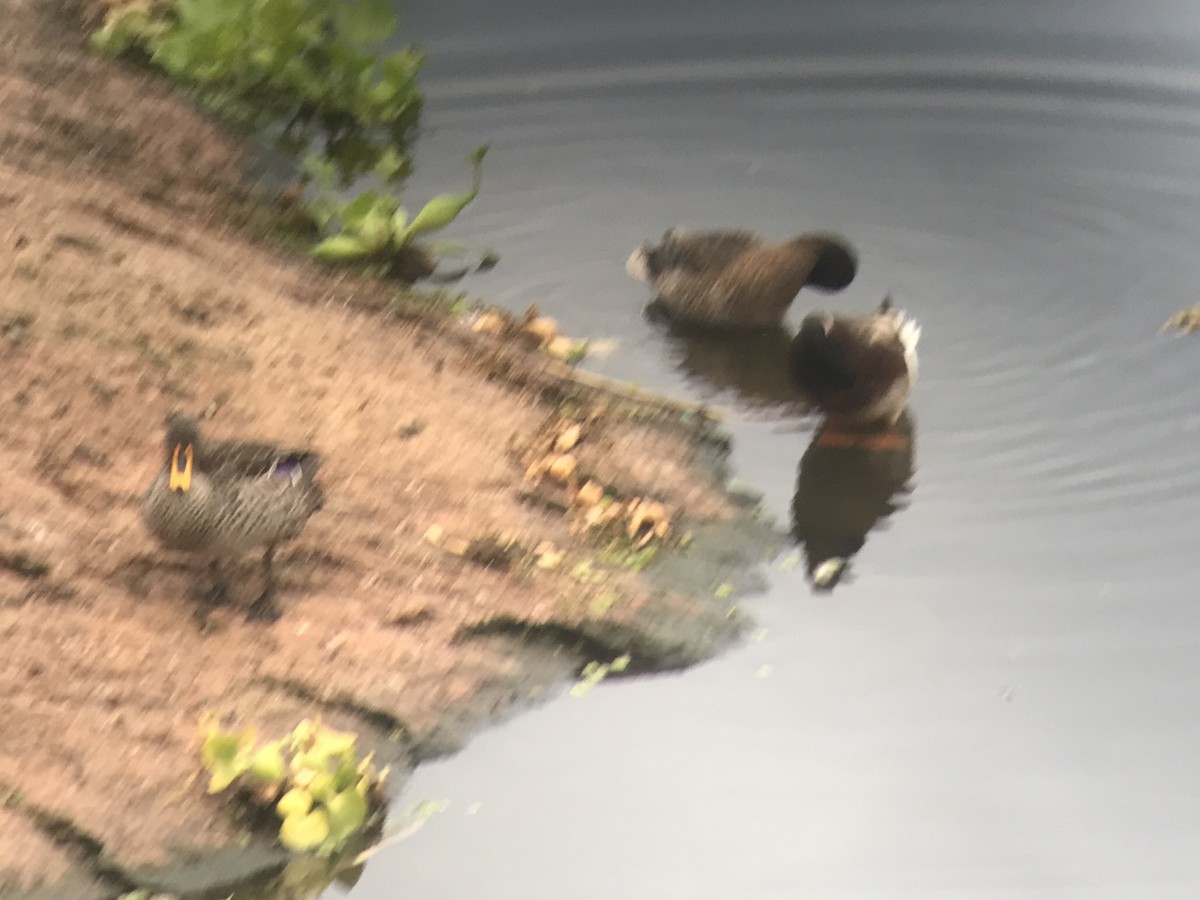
(133, 281)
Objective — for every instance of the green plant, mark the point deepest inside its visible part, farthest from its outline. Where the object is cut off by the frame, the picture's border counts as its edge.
(316, 70)
(373, 226)
(322, 792)
(312, 64)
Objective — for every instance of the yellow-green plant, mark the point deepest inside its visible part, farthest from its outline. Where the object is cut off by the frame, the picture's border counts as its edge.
(595, 672)
(321, 790)
(374, 227)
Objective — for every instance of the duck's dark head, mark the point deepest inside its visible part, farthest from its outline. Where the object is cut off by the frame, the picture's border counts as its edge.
(816, 361)
(183, 434)
(813, 330)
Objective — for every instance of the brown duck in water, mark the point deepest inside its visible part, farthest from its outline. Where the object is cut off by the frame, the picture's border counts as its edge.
(858, 370)
(223, 499)
(733, 279)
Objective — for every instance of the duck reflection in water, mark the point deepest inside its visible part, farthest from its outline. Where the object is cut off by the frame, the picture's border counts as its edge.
(847, 485)
(750, 365)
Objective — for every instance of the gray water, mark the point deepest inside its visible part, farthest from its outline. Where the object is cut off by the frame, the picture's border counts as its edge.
(1001, 699)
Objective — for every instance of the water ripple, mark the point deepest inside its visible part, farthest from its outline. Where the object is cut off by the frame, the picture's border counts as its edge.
(989, 84)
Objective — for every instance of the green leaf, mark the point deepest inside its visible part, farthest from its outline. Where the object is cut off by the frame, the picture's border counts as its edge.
(109, 41)
(304, 832)
(365, 211)
(221, 746)
(400, 69)
(340, 248)
(329, 744)
(358, 207)
(303, 732)
(321, 786)
(174, 53)
(391, 163)
(264, 57)
(346, 775)
(298, 78)
(226, 773)
(399, 224)
(381, 95)
(346, 811)
(375, 228)
(364, 21)
(278, 19)
(444, 208)
(476, 159)
(320, 170)
(296, 802)
(206, 14)
(267, 764)
(227, 756)
(348, 65)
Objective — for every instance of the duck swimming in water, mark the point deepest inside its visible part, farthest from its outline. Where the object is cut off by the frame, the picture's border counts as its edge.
(733, 279)
(223, 499)
(857, 369)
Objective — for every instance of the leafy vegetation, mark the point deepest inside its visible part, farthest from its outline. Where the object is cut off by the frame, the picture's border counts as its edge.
(320, 71)
(321, 790)
(374, 227)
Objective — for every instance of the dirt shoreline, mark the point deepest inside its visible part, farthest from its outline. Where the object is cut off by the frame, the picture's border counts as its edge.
(125, 292)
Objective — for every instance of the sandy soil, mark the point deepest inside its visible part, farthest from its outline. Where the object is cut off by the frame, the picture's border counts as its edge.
(126, 293)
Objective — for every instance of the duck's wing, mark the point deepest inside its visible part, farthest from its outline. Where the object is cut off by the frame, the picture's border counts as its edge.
(266, 510)
(699, 251)
(255, 459)
(871, 347)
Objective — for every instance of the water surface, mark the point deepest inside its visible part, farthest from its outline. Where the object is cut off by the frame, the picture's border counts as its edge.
(998, 699)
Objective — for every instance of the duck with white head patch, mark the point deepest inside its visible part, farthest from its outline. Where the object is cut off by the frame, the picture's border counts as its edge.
(858, 370)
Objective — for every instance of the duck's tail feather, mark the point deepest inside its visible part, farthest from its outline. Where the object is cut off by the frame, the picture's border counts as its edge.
(909, 333)
(837, 262)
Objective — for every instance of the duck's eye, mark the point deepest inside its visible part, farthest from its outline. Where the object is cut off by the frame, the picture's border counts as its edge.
(181, 468)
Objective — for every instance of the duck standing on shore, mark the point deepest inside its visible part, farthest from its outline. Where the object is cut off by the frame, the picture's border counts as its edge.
(733, 279)
(858, 370)
(223, 499)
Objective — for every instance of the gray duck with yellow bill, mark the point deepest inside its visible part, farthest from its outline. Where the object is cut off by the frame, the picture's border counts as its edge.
(223, 499)
(733, 279)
